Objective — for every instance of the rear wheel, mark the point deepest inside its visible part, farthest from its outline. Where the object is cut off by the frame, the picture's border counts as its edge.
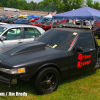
(47, 80)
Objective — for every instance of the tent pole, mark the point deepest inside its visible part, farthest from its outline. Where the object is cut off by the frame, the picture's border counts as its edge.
(52, 23)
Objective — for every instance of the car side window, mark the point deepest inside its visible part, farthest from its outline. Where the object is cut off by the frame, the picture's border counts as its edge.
(85, 41)
(54, 23)
(14, 33)
(29, 33)
(96, 27)
(37, 33)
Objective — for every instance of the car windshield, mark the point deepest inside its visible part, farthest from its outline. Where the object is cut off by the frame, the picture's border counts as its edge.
(24, 20)
(2, 29)
(42, 22)
(47, 23)
(36, 22)
(58, 39)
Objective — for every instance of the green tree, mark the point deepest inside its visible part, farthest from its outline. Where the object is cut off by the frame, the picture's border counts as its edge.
(96, 5)
(89, 3)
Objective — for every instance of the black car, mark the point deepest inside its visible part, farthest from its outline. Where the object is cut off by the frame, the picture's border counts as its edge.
(58, 53)
(96, 31)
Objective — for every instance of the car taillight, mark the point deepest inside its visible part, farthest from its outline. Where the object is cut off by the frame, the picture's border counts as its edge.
(4, 20)
(95, 30)
(14, 22)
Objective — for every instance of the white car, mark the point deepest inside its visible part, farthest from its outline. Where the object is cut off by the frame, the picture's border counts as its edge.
(1, 23)
(12, 34)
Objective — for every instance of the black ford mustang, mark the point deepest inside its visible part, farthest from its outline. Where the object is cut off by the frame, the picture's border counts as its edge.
(59, 52)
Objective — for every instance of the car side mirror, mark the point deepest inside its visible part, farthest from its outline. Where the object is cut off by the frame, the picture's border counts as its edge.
(79, 49)
(3, 38)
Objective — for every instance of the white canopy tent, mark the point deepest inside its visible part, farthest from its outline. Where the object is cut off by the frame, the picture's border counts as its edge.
(48, 16)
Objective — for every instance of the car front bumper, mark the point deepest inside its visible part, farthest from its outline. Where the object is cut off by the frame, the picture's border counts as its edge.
(4, 81)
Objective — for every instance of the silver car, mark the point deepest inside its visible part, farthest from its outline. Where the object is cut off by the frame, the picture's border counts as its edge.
(12, 34)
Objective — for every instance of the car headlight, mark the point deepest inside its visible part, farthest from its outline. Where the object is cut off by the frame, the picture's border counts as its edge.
(13, 71)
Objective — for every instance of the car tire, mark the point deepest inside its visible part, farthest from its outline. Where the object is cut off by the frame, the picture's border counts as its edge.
(99, 37)
(47, 80)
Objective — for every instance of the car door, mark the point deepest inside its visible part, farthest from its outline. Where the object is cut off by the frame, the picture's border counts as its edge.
(13, 37)
(80, 61)
(96, 30)
(30, 34)
(55, 24)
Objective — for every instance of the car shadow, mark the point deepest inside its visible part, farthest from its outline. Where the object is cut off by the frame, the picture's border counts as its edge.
(28, 86)
(72, 78)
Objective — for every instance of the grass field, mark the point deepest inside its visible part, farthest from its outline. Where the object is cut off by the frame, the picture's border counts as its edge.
(81, 87)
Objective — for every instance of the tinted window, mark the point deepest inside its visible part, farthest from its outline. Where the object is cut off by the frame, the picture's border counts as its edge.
(29, 32)
(35, 22)
(47, 23)
(37, 33)
(54, 23)
(58, 39)
(14, 33)
(42, 22)
(2, 29)
(24, 20)
(85, 41)
(96, 27)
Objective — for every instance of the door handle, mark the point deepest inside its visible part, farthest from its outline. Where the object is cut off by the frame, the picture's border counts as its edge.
(91, 49)
(20, 42)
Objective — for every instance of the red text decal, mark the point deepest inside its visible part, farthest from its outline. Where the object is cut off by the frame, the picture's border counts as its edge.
(81, 57)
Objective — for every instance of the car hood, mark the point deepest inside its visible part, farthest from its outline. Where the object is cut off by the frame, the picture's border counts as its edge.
(22, 48)
(27, 52)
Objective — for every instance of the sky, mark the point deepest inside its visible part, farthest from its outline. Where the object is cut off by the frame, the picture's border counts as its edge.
(34, 0)
(42, 0)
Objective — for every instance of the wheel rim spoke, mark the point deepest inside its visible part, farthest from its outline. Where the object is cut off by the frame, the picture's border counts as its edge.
(51, 77)
(48, 81)
(47, 77)
(43, 82)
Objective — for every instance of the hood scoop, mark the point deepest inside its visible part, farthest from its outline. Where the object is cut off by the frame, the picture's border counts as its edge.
(26, 48)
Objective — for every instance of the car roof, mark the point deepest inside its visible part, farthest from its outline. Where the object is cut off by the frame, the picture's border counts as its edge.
(17, 25)
(75, 30)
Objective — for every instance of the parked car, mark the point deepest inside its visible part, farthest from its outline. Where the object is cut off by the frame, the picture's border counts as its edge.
(21, 21)
(13, 19)
(1, 18)
(63, 21)
(8, 20)
(96, 29)
(1, 23)
(37, 23)
(34, 19)
(14, 34)
(58, 53)
(63, 24)
(45, 19)
(4, 18)
(48, 25)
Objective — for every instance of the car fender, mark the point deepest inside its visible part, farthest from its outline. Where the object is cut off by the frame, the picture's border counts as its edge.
(48, 65)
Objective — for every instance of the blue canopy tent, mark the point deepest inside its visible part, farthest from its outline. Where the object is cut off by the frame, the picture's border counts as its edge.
(37, 16)
(85, 13)
(34, 16)
(31, 16)
(16, 15)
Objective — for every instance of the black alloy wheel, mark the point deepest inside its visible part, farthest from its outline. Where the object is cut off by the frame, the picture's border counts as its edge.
(47, 80)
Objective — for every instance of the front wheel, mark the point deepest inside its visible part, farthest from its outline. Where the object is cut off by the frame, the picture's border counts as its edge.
(47, 80)
(99, 37)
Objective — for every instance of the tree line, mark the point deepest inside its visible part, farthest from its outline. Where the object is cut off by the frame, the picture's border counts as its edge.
(50, 5)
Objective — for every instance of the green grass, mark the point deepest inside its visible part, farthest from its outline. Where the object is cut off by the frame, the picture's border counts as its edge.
(82, 87)
(98, 40)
